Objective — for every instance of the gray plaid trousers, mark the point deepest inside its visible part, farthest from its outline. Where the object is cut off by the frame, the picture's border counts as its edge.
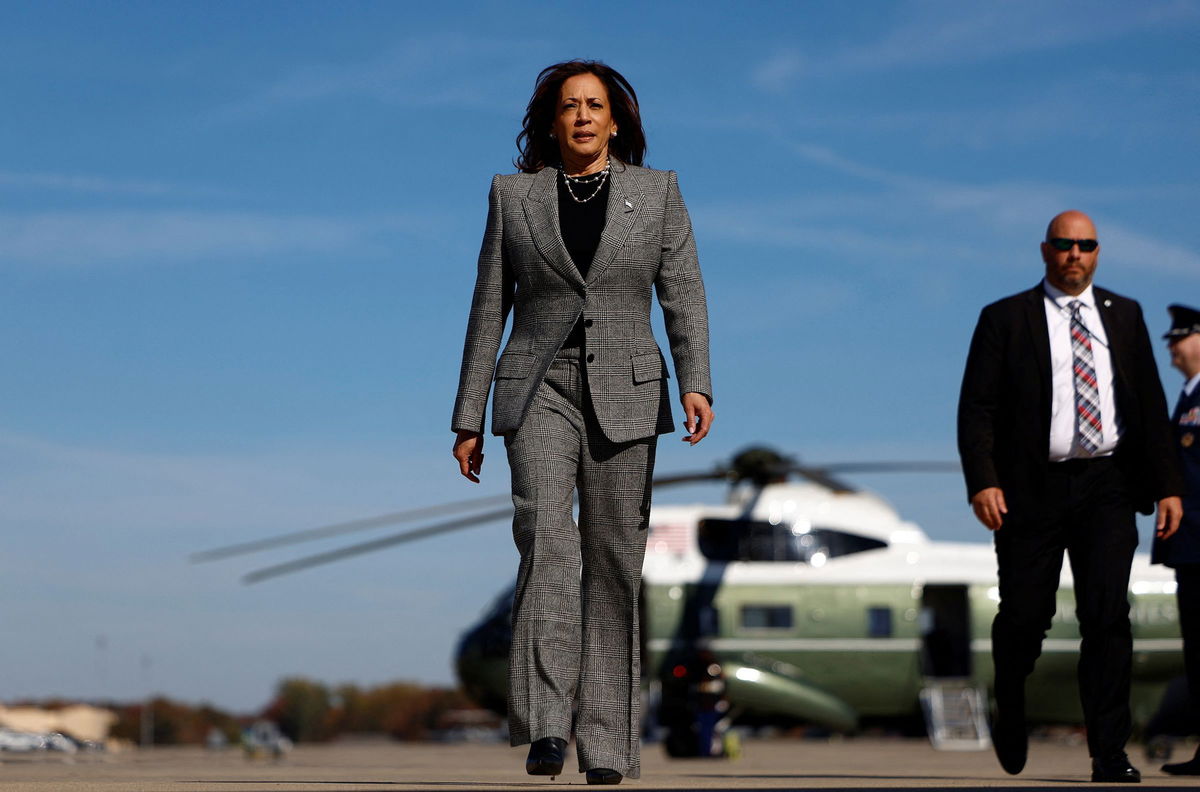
(575, 611)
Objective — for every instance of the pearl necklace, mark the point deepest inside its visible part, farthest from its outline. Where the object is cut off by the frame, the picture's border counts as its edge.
(597, 178)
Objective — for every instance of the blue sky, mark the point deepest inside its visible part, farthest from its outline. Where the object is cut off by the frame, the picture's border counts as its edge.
(237, 244)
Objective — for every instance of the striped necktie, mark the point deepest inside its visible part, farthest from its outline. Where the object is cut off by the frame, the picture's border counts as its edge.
(1087, 394)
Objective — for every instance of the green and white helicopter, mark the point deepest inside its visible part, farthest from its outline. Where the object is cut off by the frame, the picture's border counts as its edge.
(804, 599)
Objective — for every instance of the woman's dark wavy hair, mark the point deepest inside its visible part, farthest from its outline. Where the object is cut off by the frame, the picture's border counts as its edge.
(538, 149)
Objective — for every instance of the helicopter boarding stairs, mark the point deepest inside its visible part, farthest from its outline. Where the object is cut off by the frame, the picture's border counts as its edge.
(955, 707)
(955, 715)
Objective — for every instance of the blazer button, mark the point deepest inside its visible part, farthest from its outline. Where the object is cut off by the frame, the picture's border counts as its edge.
(590, 357)
(587, 322)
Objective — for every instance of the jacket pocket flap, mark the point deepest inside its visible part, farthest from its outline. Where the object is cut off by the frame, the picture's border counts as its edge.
(514, 365)
(648, 366)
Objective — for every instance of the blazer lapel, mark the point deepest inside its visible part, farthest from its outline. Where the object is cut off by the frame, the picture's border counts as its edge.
(1035, 315)
(1115, 332)
(541, 211)
(624, 201)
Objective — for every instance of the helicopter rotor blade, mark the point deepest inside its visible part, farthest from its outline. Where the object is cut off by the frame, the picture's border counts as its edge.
(756, 465)
(407, 536)
(318, 559)
(718, 474)
(351, 526)
(820, 475)
(893, 467)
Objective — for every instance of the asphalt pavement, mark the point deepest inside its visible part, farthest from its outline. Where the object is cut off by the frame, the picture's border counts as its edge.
(778, 764)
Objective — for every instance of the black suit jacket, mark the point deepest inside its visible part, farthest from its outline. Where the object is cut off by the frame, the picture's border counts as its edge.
(1004, 406)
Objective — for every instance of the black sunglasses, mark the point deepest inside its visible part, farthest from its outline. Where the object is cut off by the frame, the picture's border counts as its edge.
(1064, 244)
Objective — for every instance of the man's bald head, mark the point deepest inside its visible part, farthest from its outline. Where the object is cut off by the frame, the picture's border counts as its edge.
(1072, 219)
(1071, 269)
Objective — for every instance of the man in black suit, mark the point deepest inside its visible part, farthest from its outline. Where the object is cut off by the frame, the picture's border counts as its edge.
(1182, 551)
(1063, 434)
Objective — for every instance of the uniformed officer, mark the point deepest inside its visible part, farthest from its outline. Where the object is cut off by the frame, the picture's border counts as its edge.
(1182, 551)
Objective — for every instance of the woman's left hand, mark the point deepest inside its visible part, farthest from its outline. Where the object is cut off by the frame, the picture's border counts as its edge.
(699, 416)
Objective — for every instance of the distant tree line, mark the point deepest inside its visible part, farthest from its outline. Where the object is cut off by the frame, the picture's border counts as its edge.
(306, 711)
(309, 711)
(176, 723)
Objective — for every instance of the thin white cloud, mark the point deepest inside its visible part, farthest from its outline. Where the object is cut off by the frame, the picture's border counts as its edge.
(1001, 205)
(430, 70)
(779, 72)
(823, 155)
(940, 32)
(98, 185)
(1137, 251)
(78, 239)
(1004, 204)
(777, 227)
(918, 208)
(1109, 106)
(82, 239)
(944, 31)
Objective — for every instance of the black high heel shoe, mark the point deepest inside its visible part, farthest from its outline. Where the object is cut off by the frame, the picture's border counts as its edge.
(546, 756)
(602, 775)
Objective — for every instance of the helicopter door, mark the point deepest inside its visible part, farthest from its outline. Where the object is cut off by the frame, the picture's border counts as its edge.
(945, 631)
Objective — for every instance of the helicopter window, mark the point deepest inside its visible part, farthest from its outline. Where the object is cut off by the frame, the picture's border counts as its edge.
(879, 622)
(839, 543)
(767, 617)
(758, 540)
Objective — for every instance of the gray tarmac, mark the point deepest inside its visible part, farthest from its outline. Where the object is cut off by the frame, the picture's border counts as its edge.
(860, 763)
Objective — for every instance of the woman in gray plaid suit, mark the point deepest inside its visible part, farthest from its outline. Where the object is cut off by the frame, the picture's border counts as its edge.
(574, 245)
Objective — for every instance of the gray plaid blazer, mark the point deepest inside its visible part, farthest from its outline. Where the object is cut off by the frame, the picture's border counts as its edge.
(524, 266)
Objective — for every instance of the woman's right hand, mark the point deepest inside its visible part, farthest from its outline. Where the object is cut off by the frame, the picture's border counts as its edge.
(468, 450)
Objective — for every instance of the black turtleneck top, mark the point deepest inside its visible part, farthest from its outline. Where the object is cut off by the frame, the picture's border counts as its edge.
(581, 225)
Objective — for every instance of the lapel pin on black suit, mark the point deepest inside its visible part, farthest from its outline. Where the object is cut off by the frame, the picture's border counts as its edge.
(1108, 303)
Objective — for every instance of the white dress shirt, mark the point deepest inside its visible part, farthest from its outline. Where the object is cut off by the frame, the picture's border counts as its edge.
(1064, 435)
(1190, 385)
